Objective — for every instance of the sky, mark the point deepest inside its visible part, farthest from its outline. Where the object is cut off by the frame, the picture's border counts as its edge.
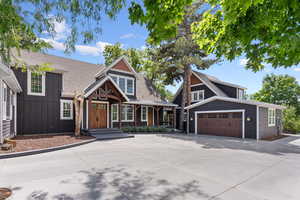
(134, 36)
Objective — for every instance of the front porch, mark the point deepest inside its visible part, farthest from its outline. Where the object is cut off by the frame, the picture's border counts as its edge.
(108, 107)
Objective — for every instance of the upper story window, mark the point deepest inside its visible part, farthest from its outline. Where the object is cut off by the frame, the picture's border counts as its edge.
(197, 95)
(66, 109)
(271, 117)
(240, 94)
(35, 83)
(126, 84)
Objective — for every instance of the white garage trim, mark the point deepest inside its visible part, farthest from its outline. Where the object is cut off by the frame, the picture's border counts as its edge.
(257, 122)
(221, 111)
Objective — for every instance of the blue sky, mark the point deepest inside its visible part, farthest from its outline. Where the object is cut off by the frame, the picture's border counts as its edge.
(121, 30)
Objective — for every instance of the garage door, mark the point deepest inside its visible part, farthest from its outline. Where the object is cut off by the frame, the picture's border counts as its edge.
(220, 124)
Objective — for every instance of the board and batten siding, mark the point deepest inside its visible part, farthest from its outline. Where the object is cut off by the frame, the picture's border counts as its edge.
(250, 112)
(41, 114)
(264, 130)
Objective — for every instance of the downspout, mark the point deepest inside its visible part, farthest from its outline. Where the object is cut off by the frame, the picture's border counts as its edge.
(1, 111)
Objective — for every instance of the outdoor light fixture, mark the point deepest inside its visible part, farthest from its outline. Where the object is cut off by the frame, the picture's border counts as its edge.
(248, 119)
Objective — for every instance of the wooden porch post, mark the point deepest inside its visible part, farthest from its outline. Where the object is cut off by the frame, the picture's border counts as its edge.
(157, 108)
(174, 117)
(136, 107)
(89, 110)
(120, 111)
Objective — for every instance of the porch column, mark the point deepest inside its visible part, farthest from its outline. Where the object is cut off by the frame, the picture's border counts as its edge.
(120, 111)
(136, 107)
(174, 117)
(157, 108)
(188, 122)
(89, 101)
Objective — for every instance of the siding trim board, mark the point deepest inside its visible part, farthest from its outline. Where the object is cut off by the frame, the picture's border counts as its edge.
(221, 111)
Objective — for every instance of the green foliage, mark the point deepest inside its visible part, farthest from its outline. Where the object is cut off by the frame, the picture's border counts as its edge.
(113, 52)
(291, 121)
(280, 89)
(142, 61)
(145, 129)
(266, 31)
(161, 17)
(19, 26)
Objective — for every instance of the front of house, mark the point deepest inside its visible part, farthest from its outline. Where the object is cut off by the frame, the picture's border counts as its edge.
(117, 96)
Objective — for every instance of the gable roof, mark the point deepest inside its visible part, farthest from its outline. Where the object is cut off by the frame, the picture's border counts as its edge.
(122, 58)
(242, 101)
(9, 77)
(95, 85)
(76, 74)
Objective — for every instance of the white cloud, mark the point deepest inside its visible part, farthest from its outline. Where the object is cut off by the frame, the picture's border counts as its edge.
(56, 45)
(61, 29)
(243, 61)
(126, 36)
(81, 49)
(297, 69)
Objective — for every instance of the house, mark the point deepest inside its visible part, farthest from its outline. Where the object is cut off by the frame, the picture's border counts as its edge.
(219, 108)
(116, 96)
(9, 87)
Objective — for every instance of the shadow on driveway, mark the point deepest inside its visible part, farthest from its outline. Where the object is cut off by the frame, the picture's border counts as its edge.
(278, 147)
(118, 184)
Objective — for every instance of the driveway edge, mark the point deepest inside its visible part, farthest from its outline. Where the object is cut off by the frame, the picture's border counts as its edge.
(46, 150)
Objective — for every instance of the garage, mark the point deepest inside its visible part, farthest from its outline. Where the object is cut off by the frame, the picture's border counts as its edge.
(220, 123)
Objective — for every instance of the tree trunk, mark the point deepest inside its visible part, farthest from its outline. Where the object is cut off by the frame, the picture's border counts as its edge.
(78, 103)
(184, 98)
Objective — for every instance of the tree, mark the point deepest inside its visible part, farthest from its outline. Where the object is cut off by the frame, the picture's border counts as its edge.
(180, 53)
(142, 61)
(22, 21)
(78, 104)
(280, 89)
(113, 52)
(291, 120)
(265, 31)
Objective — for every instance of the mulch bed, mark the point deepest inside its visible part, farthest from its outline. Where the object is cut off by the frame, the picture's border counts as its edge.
(277, 137)
(26, 143)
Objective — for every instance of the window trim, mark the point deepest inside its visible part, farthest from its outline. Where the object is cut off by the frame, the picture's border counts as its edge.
(238, 93)
(271, 117)
(4, 92)
(62, 101)
(126, 78)
(126, 117)
(112, 105)
(144, 120)
(198, 92)
(29, 92)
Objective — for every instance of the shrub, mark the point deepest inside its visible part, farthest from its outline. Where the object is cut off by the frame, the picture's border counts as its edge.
(291, 121)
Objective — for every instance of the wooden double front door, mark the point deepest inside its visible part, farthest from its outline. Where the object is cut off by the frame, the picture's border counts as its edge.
(98, 115)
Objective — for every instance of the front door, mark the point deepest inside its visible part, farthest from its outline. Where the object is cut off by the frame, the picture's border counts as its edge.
(98, 116)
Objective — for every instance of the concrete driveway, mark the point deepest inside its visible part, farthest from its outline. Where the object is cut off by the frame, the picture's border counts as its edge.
(153, 167)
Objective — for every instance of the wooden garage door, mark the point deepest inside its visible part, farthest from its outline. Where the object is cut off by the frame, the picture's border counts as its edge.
(220, 124)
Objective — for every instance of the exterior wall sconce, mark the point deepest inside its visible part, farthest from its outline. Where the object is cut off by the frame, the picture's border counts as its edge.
(248, 119)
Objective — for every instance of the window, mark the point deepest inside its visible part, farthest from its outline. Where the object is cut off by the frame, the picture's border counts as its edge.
(127, 113)
(197, 95)
(66, 109)
(240, 94)
(114, 112)
(126, 84)
(35, 83)
(271, 117)
(144, 111)
(129, 86)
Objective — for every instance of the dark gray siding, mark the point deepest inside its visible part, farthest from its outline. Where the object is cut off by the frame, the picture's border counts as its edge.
(250, 111)
(264, 130)
(228, 90)
(41, 114)
(207, 93)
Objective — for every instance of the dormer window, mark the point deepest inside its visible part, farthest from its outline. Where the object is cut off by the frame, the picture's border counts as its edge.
(240, 94)
(197, 95)
(126, 84)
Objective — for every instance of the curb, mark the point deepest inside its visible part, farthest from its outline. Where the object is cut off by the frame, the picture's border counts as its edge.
(46, 150)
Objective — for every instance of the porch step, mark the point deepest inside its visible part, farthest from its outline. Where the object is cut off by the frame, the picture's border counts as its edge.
(105, 131)
(112, 136)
